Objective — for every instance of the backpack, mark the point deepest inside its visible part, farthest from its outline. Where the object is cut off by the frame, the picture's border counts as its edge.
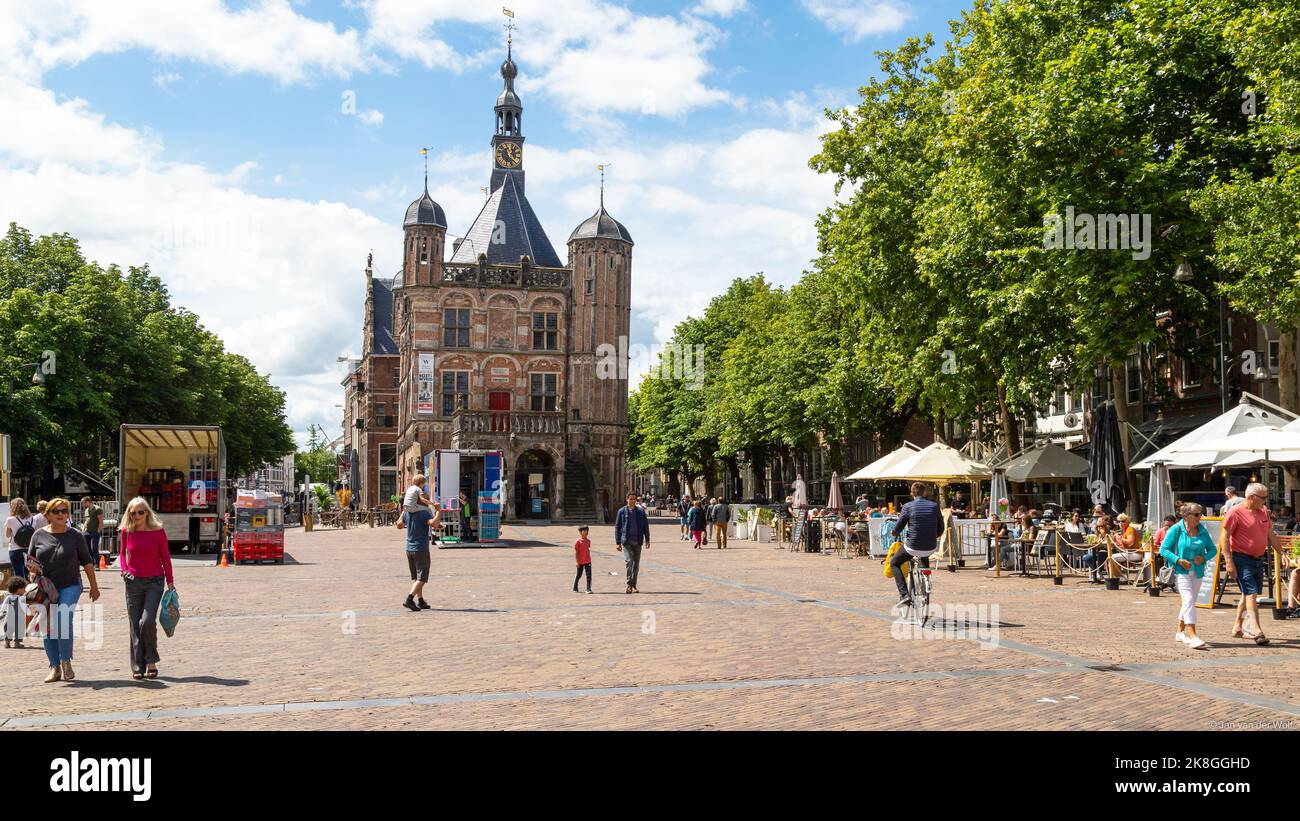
(23, 538)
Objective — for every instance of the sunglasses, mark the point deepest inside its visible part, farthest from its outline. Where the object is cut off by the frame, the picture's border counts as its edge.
(137, 513)
(63, 511)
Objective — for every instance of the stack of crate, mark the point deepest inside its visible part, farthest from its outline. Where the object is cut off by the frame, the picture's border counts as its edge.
(259, 536)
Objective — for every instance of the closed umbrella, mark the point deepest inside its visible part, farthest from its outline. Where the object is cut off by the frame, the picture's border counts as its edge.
(835, 499)
(354, 475)
(1106, 463)
(1160, 503)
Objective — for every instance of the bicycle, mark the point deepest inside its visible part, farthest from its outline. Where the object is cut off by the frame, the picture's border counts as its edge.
(918, 590)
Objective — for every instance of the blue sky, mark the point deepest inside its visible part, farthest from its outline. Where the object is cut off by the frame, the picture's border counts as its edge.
(210, 140)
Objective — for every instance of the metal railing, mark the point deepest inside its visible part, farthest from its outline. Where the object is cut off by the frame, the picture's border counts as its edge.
(506, 276)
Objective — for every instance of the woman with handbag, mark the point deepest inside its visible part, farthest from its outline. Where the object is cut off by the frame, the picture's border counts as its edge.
(146, 562)
(56, 553)
(1186, 549)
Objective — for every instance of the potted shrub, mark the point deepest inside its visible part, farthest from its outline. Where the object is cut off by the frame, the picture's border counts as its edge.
(763, 528)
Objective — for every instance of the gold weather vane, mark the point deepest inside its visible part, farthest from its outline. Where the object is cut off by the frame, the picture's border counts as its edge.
(424, 152)
(509, 27)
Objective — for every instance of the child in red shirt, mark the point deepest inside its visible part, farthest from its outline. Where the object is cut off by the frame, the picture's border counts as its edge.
(582, 551)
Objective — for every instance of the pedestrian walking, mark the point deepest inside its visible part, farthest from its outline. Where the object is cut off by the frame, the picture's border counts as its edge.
(695, 520)
(582, 552)
(721, 517)
(146, 566)
(18, 531)
(56, 552)
(631, 533)
(419, 524)
(1250, 532)
(684, 511)
(39, 520)
(92, 523)
(1187, 546)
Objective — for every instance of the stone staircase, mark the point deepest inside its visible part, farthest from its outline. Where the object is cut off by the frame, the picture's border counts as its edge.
(578, 494)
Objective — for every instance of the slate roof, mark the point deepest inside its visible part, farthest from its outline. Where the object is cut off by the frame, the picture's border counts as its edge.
(382, 292)
(601, 225)
(425, 211)
(522, 234)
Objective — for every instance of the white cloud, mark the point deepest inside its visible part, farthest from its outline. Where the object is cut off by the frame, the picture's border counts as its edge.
(165, 80)
(720, 8)
(281, 280)
(593, 56)
(268, 37)
(370, 116)
(859, 19)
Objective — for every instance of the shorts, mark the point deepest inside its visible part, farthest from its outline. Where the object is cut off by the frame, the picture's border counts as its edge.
(418, 561)
(1250, 573)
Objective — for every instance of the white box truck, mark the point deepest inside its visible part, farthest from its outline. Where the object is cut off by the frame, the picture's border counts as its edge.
(181, 471)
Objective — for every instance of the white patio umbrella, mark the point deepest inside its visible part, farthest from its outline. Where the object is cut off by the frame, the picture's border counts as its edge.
(1276, 444)
(1191, 451)
(937, 463)
(907, 451)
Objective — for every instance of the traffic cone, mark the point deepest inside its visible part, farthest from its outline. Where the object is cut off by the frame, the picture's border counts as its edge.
(225, 562)
(103, 563)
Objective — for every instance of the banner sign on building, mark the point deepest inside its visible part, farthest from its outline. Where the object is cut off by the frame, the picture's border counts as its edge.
(424, 385)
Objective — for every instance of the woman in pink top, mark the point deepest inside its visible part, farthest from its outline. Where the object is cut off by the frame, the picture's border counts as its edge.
(146, 563)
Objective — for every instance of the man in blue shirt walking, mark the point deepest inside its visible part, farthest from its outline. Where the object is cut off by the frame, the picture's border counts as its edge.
(924, 523)
(631, 532)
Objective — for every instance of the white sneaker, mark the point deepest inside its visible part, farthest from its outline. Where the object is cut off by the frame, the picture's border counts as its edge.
(1179, 636)
(1196, 643)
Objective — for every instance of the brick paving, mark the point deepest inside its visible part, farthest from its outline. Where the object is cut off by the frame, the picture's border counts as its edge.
(750, 637)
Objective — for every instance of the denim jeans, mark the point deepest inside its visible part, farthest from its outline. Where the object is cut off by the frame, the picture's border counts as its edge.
(18, 562)
(143, 596)
(58, 625)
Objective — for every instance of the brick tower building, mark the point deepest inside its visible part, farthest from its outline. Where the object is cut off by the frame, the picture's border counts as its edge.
(504, 347)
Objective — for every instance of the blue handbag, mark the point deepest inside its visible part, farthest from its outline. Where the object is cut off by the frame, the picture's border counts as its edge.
(169, 611)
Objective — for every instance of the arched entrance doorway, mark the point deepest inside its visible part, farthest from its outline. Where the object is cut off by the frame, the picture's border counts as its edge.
(533, 477)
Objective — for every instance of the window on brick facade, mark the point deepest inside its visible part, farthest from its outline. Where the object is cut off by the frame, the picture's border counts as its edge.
(545, 331)
(542, 391)
(591, 286)
(455, 391)
(455, 327)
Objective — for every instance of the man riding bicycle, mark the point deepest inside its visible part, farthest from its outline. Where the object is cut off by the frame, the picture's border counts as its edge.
(924, 525)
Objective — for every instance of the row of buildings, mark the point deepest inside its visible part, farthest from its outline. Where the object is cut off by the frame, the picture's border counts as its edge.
(490, 342)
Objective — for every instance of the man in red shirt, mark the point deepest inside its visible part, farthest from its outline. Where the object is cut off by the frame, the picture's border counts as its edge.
(1249, 530)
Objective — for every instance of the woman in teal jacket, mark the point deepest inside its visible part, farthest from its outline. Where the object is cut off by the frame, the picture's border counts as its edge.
(1188, 546)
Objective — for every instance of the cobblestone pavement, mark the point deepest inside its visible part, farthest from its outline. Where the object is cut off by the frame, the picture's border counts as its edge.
(748, 637)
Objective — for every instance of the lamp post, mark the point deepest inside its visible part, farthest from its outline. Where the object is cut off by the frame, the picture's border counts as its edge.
(1184, 274)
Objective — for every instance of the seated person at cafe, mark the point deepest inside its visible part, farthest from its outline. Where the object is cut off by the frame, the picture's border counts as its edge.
(1285, 520)
(1169, 522)
(1125, 553)
(1076, 526)
(997, 535)
(1093, 558)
